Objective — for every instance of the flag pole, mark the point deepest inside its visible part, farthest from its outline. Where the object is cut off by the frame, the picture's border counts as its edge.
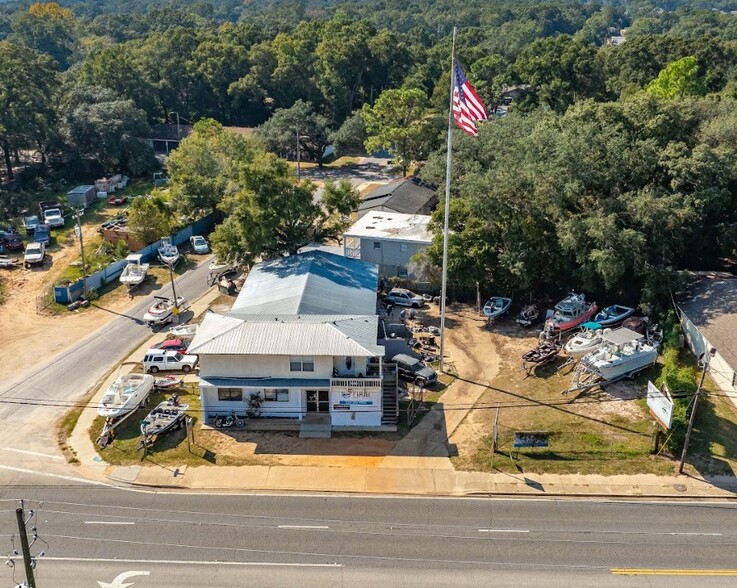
(447, 205)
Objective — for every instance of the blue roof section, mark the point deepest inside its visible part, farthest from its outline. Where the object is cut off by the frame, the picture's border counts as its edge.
(266, 382)
(314, 282)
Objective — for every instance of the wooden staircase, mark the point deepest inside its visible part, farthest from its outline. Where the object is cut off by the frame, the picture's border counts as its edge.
(389, 396)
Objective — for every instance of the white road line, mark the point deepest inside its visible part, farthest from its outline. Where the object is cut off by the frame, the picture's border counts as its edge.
(504, 530)
(109, 523)
(194, 562)
(58, 476)
(696, 534)
(303, 527)
(36, 453)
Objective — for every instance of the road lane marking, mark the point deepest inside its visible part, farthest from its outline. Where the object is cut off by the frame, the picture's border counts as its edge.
(58, 476)
(109, 523)
(303, 527)
(504, 530)
(193, 562)
(696, 534)
(36, 453)
(670, 572)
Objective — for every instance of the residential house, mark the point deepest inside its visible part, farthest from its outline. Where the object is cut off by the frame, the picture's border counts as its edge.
(388, 239)
(708, 313)
(302, 335)
(407, 196)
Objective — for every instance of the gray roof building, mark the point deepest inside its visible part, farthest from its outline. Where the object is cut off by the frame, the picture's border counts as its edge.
(407, 195)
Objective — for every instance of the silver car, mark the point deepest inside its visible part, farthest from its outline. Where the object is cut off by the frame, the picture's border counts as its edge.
(402, 297)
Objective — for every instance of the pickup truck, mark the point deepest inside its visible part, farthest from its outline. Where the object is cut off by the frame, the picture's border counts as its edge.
(42, 234)
(34, 255)
(53, 217)
(30, 223)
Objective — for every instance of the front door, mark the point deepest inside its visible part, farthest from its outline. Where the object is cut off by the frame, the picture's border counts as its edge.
(318, 401)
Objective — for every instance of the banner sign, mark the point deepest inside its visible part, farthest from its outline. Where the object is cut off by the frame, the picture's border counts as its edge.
(531, 439)
(660, 404)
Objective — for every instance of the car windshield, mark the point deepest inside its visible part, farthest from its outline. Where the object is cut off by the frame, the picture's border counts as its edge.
(177, 357)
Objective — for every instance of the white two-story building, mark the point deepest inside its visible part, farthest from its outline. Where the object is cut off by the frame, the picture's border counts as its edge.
(302, 335)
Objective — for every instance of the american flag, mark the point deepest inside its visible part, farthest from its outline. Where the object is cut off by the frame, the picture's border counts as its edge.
(467, 106)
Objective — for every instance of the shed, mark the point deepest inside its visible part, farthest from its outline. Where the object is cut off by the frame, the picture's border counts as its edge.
(82, 196)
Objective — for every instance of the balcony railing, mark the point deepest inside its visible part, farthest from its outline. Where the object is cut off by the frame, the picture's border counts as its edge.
(355, 383)
(353, 252)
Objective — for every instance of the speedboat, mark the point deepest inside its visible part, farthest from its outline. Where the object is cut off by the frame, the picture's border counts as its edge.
(623, 353)
(164, 417)
(613, 315)
(528, 316)
(168, 253)
(186, 332)
(166, 382)
(162, 310)
(570, 312)
(125, 394)
(587, 340)
(496, 306)
(135, 272)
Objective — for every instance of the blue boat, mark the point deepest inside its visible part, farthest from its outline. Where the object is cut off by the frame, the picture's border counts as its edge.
(496, 306)
(613, 315)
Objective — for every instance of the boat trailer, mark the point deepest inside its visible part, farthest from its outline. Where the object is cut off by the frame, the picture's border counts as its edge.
(107, 436)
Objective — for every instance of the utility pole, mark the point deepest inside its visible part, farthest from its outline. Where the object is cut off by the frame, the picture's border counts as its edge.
(173, 289)
(78, 230)
(299, 171)
(706, 359)
(27, 561)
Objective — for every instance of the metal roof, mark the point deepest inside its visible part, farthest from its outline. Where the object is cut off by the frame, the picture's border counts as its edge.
(711, 305)
(315, 335)
(314, 282)
(621, 336)
(266, 382)
(412, 228)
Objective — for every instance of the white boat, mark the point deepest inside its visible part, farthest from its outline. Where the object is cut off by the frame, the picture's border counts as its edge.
(613, 315)
(162, 310)
(125, 394)
(496, 306)
(623, 353)
(589, 339)
(135, 272)
(168, 253)
(183, 332)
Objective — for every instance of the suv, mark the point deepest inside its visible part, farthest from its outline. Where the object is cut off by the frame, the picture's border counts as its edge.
(42, 235)
(402, 297)
(34, 255)
(11, 241)
(413, 370)
(160, 360)
(30, 223)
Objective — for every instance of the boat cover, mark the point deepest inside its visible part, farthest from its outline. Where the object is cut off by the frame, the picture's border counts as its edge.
(591, 325)
(622, 336)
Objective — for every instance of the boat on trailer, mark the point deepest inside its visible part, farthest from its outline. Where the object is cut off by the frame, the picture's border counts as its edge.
(162, 311)
(569, 313)
(585, 341)
(186, 332)
(528, 316)
(613, 315)
(545, 351)
(134, 274)
(623, 354)
(496, 306)
(167, 416)
(126, 393)
(168, 252)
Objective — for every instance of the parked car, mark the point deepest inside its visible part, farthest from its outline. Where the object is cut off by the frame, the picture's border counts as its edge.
(172, 345)
(53, 217)
(11, 241)
(30, 223)
(199, 245)
(117, 200)
(413, 370)
(161, 360)
(403, 297)
(34, 255)
(42, 234)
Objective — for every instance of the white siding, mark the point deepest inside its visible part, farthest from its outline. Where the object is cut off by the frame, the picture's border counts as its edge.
(260, 366)
(363, 409)
(211, 406)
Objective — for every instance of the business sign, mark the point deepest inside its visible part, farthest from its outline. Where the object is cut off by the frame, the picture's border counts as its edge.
(531, 439)
(660, 404)
(357, 398)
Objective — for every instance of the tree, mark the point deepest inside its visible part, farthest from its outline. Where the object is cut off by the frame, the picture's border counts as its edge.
(679, 78)
(339, 201)
(280, 132)
(49, 28)
(205, 168)
(399, 122)
(150, 218)
(351, 135)
(271, 215)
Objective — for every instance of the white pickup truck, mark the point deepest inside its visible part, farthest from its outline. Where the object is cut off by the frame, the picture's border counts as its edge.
(53, 217)
(162, 360)
(35, 254)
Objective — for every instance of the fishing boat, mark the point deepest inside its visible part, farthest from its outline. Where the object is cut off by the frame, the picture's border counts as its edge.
(168, 252)
(569, 313)
(186, 332)
(162, 419)
(587, 340)
(613, 315)
(496, 306)
(167, 382)
(624, 353)
(135, 272)
(546, 350)
(528, 316)
(162, 311)
(125, 394)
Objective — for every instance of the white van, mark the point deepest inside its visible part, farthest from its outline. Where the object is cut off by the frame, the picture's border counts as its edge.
(163, 360)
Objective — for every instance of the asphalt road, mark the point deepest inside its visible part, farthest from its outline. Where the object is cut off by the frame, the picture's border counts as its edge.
(94, 534)
(32, 402)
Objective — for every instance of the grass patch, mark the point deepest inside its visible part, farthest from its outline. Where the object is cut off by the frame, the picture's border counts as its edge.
(65, 428)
